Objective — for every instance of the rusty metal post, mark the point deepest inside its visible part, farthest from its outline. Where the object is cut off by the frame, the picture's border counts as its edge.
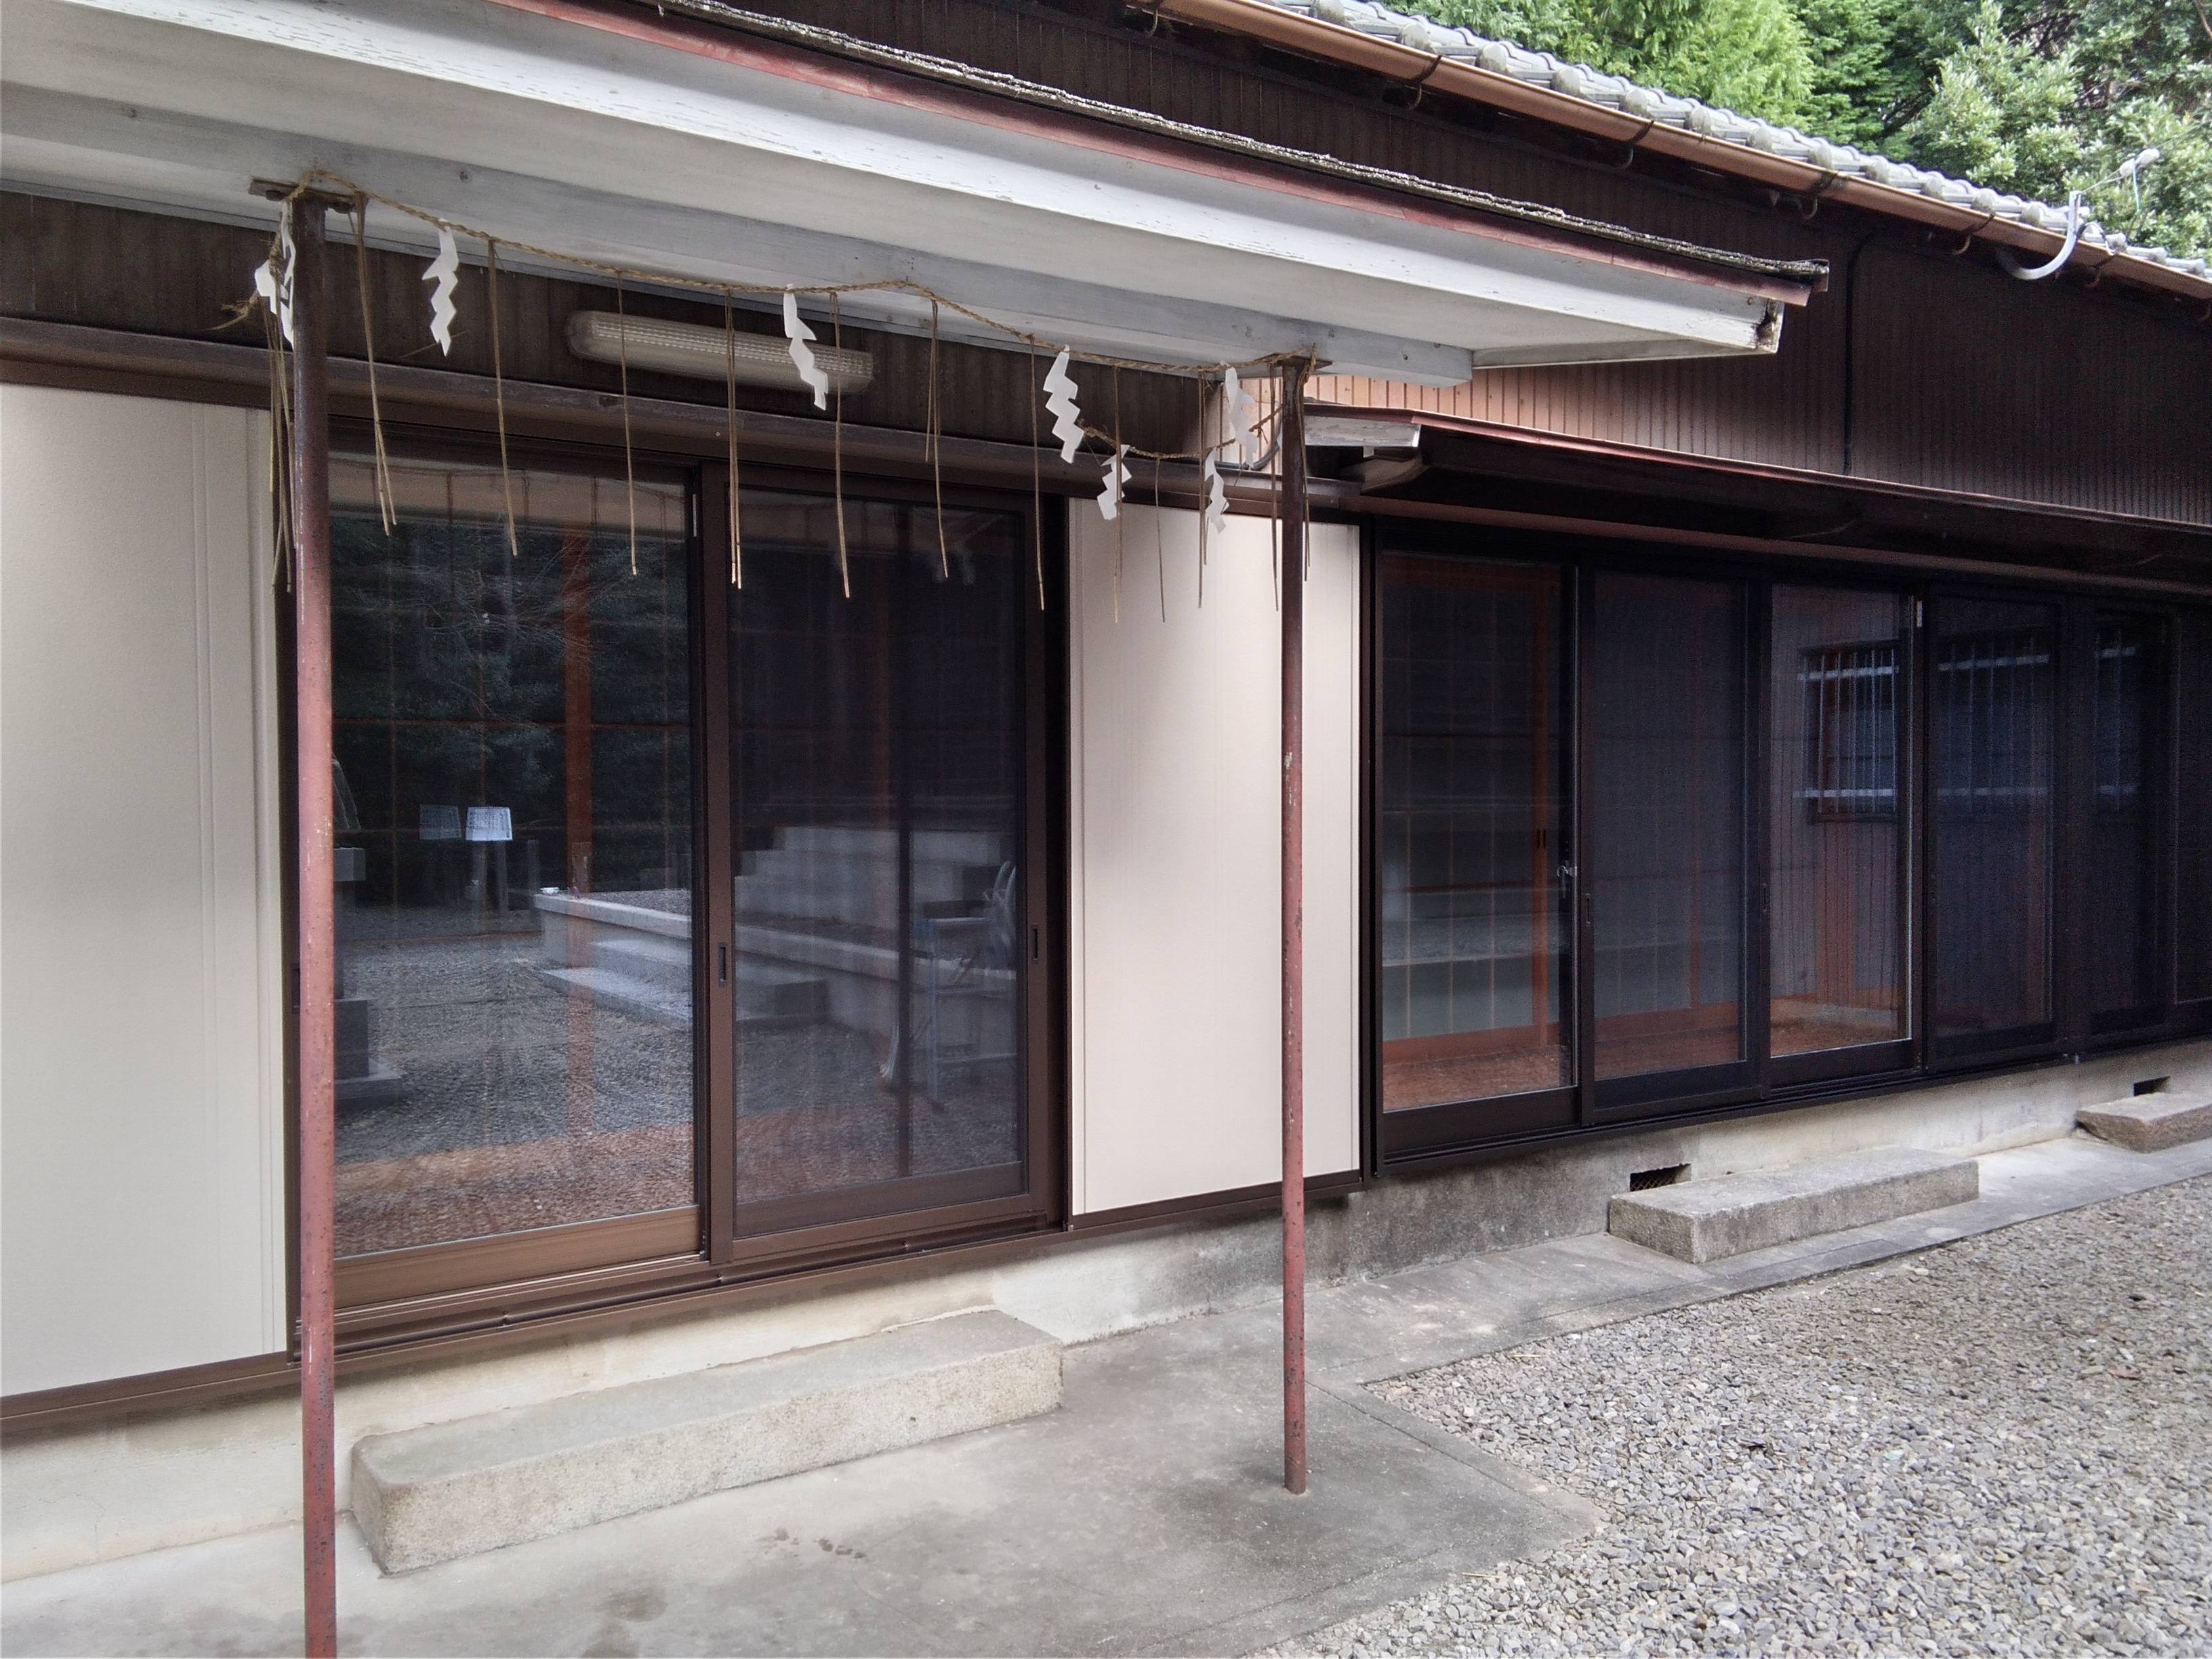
(1293, 463)
(318, 921)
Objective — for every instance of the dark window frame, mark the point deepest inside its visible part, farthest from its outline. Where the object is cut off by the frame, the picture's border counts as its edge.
(1460, 1131)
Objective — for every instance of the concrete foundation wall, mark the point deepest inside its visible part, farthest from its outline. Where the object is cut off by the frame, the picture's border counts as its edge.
(76, 1497)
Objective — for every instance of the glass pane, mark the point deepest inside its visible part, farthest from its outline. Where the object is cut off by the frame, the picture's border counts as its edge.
(879, 888)
(2193, 906)
(514, 748)
(1989, 718)
(2124, 819)
(1836, 976)
(1666, 824)
(1473, 934)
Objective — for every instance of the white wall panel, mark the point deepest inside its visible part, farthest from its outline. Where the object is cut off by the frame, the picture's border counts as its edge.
(140, 1096)
(1176, 906)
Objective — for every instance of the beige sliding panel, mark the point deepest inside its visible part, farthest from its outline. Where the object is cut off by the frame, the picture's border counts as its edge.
(140, 1047)
(1176, 903)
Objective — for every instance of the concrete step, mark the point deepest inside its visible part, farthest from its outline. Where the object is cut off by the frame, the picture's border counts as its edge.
(1706, 1220)
(766, 995)
(455, 1489)
(665, 963)
(767, 991)
(625, 992)
(2150, 1123)
(963, 846)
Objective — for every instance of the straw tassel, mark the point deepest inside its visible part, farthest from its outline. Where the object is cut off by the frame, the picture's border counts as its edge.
(837, 451)
(730, 427)
(384, 506)
(499, 400)
(629, 456)
(936, 421)
(1036, 480)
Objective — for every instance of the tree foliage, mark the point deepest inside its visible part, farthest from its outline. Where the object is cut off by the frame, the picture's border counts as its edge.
(2038, 97)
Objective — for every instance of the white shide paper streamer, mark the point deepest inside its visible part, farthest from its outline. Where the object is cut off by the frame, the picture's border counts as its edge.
(443, 273)
(1060, 398)
(274, 284)
(1243, 409)
(1117, 474)
(802, 358)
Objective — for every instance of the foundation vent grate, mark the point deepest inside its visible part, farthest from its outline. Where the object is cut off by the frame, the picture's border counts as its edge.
(1667, 1176)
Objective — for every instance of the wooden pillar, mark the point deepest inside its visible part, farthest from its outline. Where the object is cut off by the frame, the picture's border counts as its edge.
(1293, 463)
(318, 919)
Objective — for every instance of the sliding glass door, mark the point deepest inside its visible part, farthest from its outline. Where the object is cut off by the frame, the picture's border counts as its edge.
(1993, 685)
(513, 736)
(1839, 832)
(1652, 839)
(880, 870)
(1474, 977)
(679, 916)
(1665, 717)
(2126, 809)
(2191, 708)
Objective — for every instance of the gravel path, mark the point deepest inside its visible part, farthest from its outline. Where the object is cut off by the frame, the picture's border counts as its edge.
(2000, 1446)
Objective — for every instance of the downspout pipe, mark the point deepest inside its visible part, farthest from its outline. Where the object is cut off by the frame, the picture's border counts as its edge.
(1850, 351)
(2056, 263)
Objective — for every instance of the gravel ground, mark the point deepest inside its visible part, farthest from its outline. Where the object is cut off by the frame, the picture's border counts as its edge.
(2000, 1446)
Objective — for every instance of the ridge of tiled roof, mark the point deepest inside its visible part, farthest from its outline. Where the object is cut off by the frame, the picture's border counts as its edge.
(1542, 69)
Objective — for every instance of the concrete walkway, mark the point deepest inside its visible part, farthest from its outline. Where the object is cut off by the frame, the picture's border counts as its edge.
(1146, 1517)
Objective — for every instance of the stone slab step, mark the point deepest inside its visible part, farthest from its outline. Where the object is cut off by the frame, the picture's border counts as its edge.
(640, 999)
(767, 996)
(454, 1489)
(2150, 1123)
(663, 961)
(1706, 1220)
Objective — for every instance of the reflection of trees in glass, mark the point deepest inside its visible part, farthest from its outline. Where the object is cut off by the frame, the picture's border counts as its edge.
(451, 691)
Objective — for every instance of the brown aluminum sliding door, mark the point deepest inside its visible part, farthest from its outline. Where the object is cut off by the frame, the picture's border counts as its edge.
(882, 1017)
(513, 740)
(677, 916)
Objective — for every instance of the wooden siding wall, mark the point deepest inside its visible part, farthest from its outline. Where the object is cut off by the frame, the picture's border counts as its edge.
(1968, 379)
(106, 267)
(1964, 380)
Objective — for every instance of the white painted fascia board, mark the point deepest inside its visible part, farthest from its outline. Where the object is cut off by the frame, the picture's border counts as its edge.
(103, 150)
(482, 86)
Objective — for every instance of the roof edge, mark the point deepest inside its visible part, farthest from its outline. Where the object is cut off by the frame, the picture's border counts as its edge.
(1791, 281)
(1420, 52)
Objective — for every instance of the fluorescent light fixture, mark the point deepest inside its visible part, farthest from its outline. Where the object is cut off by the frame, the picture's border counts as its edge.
(1359, 432)
(602, 336)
